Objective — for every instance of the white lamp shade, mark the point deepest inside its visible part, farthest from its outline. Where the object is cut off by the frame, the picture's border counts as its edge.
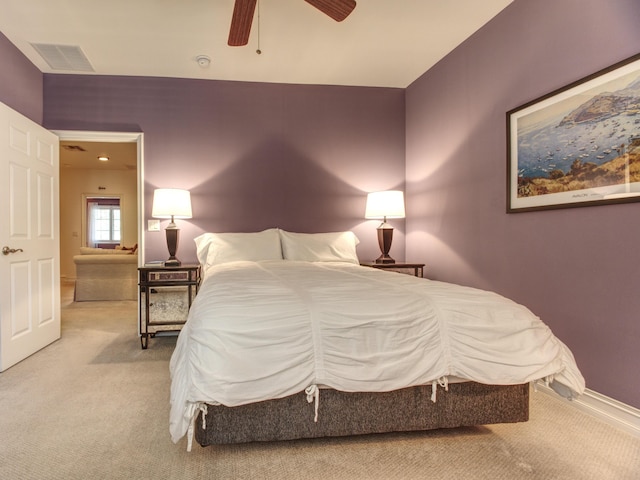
(171, 202)
(388, 204)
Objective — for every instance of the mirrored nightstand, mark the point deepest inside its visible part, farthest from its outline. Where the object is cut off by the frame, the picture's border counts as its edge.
(166, 294)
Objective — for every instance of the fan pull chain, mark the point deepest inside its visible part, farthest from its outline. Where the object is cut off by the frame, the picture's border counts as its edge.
(258, 51)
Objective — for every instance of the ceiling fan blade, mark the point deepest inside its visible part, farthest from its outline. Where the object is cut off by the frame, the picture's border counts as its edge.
(241, 22)
(336, 9)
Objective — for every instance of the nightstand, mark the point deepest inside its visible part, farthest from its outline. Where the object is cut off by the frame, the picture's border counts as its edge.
(416, 269)
(166, 294)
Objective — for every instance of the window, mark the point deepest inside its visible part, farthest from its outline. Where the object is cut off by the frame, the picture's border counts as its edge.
(103, 225)
(106, 224)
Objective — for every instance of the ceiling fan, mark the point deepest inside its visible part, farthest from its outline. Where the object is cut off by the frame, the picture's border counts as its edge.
(243, 16)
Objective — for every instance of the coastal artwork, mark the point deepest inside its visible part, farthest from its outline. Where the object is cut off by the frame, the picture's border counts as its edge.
(578, 146)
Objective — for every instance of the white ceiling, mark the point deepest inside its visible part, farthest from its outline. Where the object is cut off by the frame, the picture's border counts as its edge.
(385, 43)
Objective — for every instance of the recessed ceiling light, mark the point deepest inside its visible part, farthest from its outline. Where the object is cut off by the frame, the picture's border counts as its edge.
(103, 158)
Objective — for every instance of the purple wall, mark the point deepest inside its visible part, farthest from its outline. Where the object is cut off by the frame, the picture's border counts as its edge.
(254, 156)
(576, 268)
(20, 82)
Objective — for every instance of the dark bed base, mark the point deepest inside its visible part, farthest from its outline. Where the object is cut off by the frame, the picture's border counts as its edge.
(342, 414)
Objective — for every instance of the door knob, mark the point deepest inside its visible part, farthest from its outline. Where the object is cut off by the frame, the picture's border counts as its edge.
(7, 250)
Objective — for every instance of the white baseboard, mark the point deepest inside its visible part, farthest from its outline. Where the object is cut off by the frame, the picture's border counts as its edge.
(615, 413)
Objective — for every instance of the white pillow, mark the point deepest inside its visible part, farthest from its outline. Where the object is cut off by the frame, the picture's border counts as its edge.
(320, 247)
(216, 248)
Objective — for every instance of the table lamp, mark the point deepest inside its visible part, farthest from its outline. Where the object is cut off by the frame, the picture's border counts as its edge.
(171, 203)
(387, 204)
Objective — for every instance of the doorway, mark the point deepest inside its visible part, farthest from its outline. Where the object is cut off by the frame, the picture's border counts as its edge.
(83, 175)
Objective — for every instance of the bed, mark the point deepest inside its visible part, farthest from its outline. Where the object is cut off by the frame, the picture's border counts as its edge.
(289, 337)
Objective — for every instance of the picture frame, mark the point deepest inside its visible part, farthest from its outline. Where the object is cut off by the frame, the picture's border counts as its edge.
(577, 146)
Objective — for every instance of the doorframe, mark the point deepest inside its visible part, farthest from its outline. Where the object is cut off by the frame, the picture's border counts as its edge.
(118, 137)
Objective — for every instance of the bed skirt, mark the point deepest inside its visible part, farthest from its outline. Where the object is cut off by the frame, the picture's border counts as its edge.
(342, 414)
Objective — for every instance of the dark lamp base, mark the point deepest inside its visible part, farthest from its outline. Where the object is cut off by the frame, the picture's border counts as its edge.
(172, 245)
(385, 235)
(385, 259)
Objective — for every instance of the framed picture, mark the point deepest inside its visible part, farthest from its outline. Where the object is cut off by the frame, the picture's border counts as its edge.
(577, 146)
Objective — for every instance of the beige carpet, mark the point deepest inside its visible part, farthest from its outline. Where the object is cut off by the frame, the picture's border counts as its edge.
(94, 405)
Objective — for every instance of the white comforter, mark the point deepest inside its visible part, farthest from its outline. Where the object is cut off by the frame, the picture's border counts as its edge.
(264, 330)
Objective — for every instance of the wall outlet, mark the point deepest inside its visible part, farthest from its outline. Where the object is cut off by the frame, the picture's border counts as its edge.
(153, 225)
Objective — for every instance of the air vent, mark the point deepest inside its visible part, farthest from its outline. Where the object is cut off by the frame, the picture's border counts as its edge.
(64, 57)
(73, 148)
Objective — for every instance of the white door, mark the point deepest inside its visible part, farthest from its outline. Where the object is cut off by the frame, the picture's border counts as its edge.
(29, 237)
